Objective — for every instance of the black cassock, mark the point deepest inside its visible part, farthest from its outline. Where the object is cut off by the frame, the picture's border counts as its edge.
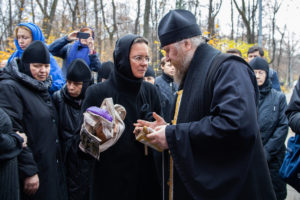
(216, 145)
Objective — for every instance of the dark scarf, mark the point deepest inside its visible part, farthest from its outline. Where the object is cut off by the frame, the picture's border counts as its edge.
(74, 102)
(126, 81)
(265, 89)
(12, 69)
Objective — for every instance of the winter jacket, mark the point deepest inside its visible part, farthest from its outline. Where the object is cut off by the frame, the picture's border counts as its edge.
(215, 144)
(293, 109)
(69, 120)
(61, 48)
(55, 71)
(167, 88)
(29, 105)
(273, 125)
(274, 78)
(10, 148)
(123, 171)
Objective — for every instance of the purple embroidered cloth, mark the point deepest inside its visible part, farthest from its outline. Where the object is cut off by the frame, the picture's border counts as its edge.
(101, 112)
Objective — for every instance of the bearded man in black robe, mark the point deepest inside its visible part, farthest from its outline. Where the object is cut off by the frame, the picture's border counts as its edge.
(214, 143)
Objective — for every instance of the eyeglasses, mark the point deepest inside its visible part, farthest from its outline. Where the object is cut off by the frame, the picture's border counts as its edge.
(259, 72)
(141, 59)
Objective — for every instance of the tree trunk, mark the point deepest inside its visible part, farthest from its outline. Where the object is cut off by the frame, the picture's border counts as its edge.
(232, 21)
(136, 24)
(20, 5)
(248, 21)
(146, 18)
(97, 30)
(10, 21)
(32, 11)
(73, 10)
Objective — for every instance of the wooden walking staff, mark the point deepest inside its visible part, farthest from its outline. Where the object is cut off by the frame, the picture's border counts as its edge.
(174, 121)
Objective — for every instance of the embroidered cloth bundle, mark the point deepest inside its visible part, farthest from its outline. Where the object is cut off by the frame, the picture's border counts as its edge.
(102, 127)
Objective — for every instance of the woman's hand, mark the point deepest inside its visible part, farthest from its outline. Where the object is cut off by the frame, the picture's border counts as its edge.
(31, 184)
(72, 36)
(23, 135)
(91, 45)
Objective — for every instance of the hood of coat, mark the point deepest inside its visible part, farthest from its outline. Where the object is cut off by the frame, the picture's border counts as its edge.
(11, 71)
(37, 33)
(122, 68)
(75, 102)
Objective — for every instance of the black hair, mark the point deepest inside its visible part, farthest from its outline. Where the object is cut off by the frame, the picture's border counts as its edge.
(256, 48)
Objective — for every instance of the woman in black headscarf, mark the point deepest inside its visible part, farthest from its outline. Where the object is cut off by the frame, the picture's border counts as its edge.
(25, 98)
(124, 172)
(273, 123)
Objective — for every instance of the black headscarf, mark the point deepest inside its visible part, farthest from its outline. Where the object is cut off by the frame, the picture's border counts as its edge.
(259, 63)
(105, 70)
(78, 71)
(150, 72)
(36, 52)
(121, 56)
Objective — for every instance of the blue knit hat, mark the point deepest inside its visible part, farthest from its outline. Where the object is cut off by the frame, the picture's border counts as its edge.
(177, 25)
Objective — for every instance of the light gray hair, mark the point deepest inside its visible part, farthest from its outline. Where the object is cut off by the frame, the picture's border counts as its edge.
(196, 41)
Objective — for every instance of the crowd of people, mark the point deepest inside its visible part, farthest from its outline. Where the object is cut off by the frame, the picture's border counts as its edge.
(220, 121)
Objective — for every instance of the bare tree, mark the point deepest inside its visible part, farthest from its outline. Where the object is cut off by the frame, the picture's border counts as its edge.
(248, 16)
(146, 18)
(32, 11)
(213, 10)
(114, 26)
(20, 7)
(136, 24)
(291, 45)
(48, 15)
(97, 29)
(85, 11)
(274, 8)
(179, 4)
(279, 56)
(73, 8)
(232, 21)
(10, 20)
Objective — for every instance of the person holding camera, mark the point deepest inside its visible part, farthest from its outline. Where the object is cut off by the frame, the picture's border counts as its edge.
(83, 48)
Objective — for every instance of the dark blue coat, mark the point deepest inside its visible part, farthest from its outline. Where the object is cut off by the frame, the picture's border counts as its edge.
(273, 125)
(61, 48)
(168, 89)
(274, 78)
(216, 145)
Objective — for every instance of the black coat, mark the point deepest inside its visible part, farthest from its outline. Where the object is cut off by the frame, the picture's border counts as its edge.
(216, 146)
(293, 109)
(10, 148)
(30, 107)
(123, 171)
(273, 126)
(77, 169)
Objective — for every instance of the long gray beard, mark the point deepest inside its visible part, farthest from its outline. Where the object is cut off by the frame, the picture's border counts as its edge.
(181, 70)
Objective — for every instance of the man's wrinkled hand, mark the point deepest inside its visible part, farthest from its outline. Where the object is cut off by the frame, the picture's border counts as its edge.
(31, 184)
(158, 137)
(158, 122)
